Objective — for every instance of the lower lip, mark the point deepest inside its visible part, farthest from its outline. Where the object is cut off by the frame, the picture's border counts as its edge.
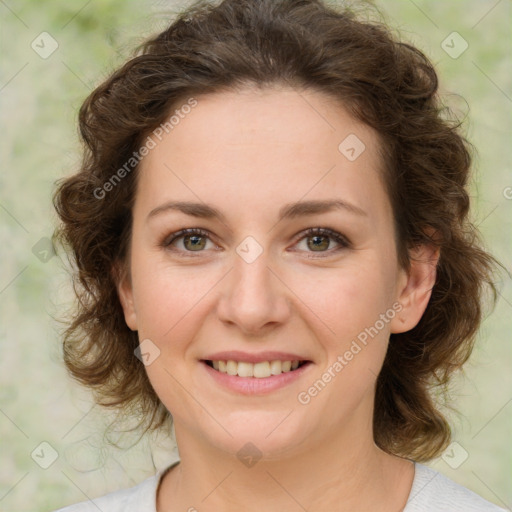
(253, 385)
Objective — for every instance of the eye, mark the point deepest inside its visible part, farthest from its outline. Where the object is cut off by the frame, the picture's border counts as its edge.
(320, 240)
(194, 240)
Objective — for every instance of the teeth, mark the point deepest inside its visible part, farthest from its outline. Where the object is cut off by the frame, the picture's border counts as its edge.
(260, 369)
(275, 367)
(257, 370)
(245, 369)
(286, 366)
(232, 368)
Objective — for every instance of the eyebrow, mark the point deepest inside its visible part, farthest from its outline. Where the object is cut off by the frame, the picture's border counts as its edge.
(288, 211)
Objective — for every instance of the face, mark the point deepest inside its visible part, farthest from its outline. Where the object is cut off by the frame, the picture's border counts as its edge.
(254, 171)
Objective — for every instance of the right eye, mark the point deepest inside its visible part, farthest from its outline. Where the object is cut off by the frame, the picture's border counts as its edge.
(193, 240)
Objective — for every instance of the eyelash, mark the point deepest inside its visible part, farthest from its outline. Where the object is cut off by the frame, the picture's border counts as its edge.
(337, 237)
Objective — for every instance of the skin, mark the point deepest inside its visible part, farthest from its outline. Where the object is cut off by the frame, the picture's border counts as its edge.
(248, 153)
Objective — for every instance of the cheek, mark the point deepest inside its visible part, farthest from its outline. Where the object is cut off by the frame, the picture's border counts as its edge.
(356, 306)
(347, 299)
(169, 298)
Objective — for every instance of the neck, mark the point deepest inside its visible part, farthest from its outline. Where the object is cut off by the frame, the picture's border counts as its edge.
(343, 474)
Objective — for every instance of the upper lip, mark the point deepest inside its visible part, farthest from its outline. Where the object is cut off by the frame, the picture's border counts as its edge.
(236, 355)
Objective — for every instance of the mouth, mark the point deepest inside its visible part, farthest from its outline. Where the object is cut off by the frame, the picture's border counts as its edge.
(260, 370)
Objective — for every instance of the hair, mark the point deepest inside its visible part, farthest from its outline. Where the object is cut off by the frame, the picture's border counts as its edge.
(389, 85)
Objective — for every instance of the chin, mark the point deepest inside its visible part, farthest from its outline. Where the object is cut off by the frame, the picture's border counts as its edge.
(250, 434)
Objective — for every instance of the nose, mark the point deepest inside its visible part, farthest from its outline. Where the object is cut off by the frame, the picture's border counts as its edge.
(254, 297)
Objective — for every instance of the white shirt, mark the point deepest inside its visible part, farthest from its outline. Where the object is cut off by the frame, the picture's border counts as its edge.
(431, 492)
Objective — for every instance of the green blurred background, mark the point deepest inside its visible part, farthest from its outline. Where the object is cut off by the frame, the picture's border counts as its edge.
(39, 98)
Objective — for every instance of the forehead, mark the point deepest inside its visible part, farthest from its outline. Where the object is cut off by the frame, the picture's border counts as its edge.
(262, 147)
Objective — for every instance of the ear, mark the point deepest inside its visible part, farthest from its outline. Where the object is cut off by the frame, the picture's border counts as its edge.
(125, 292)
(415, 287)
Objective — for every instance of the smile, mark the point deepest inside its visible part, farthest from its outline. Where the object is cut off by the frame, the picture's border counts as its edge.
(260, 370)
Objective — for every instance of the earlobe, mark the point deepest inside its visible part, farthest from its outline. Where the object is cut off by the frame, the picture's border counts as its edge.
(416, 287)
(125, 294)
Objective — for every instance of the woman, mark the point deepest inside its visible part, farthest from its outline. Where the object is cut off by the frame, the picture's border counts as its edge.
(272, 245)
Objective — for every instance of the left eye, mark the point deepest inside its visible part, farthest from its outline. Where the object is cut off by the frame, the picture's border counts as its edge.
(319, 239)
(194, 240)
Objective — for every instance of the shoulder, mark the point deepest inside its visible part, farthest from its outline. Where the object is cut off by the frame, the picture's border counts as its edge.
(432, 491)
(140, 498)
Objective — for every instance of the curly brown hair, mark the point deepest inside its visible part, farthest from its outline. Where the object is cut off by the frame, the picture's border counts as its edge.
(387, 84)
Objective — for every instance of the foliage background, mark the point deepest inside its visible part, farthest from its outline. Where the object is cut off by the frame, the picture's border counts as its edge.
(39, 99)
